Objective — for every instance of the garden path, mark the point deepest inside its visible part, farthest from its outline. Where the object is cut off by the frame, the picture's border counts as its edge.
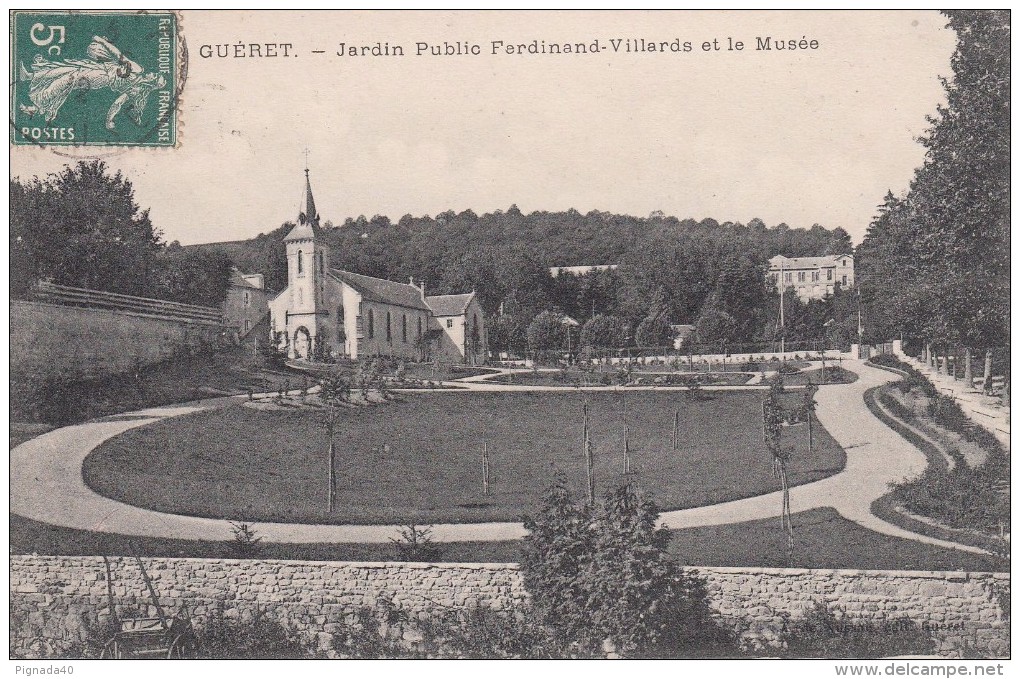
(46, 482)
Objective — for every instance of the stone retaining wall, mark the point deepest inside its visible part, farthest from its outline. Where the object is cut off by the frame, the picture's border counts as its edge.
(55, 600)
(53, 340)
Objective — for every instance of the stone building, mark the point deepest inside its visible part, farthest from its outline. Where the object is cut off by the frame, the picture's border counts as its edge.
(247, 302)
(462, 323)
(331, 312)
(812, 277)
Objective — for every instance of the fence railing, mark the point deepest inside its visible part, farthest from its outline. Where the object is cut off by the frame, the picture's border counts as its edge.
(45, 291)
(749, 351)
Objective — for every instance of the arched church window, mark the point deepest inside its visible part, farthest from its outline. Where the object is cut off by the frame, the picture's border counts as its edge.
(403, 327)
(322, 262)
(389, 334)
(300, 262)
(371, 324)
(419, 327)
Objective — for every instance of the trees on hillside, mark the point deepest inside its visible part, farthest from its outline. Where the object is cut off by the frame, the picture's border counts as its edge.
(191, 276)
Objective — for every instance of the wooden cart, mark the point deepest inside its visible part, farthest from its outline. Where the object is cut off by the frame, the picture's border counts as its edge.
(160, 637)
(152, 638)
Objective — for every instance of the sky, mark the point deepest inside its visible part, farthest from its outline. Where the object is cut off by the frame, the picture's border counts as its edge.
(802, 137)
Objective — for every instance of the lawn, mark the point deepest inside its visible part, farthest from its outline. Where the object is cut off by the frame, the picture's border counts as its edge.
(823, 539)
(420, 458)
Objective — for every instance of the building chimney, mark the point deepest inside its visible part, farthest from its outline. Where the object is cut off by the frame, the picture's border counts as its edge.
(411, 280)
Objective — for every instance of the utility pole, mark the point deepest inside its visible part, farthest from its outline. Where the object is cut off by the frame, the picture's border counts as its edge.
(860, 325)
(782, 310)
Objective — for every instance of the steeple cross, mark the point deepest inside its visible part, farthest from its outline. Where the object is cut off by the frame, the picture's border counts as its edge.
(306, 152)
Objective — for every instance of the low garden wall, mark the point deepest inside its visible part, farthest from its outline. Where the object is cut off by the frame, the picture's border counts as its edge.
(55, 600)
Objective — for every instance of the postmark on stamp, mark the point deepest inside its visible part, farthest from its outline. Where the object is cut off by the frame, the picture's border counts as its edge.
(95, 78)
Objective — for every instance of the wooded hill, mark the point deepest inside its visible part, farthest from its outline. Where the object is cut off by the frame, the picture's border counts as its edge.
(667, 266)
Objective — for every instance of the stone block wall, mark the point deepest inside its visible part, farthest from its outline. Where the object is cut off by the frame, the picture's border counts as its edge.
(55, 600)
(78, 342)
(965, 610)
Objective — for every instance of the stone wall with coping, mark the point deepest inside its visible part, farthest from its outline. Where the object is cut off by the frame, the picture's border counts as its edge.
(55, 600)
(53, 340)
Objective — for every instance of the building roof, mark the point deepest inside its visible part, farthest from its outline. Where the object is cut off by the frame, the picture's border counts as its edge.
(580, 270)
(381, 290)
(239, 279)
(449, 305)
(806, 262)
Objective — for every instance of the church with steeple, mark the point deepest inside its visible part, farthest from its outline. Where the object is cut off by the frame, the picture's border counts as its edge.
(326, 312)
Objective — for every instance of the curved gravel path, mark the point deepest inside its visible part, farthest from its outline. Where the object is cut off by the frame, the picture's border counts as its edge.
(47, 484)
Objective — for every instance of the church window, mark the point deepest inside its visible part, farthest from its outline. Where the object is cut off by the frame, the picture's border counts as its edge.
(788, 277)
(419, 328)
(371, 324)
(403, 327)
(389, 334)
(829, 275)
(300, 262)
(247, 298)
(449, 322)
(247, 325)
(322, 262)
(844, 279)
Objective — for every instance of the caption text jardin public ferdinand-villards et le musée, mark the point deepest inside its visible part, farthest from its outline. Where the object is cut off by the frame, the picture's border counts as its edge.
(466, 48)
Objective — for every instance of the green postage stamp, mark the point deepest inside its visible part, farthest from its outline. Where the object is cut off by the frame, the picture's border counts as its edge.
(95, 78)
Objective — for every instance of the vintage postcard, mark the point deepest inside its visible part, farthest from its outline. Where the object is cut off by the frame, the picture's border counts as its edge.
(511, 335)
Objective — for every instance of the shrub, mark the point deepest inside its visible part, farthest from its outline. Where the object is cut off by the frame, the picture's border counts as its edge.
(654, 331)
(483, 633)
(823, 634)
(605, 332)
(246, 539)
(257, 638)
(415, 544)
(600, 577)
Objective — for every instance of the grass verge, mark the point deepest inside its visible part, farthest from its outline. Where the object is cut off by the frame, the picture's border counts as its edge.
(823, 540)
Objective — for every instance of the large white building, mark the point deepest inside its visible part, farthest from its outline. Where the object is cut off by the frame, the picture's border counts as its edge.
(326, 311)
(812, 277)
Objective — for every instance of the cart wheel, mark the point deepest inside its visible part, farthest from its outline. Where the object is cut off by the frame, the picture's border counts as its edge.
(111, 650)
(181, 648)
(176, 650)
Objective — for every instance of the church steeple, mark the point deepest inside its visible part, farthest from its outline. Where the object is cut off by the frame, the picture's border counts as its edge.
(310, 216)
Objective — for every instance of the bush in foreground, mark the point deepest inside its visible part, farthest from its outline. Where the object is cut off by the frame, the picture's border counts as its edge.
(600, 580)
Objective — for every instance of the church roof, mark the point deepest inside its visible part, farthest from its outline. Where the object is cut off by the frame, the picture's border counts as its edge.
(381, 290)
(449, 305)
